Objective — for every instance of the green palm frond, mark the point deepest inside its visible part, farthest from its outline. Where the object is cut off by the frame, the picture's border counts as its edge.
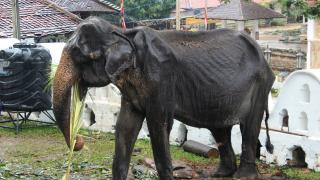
(75, 123)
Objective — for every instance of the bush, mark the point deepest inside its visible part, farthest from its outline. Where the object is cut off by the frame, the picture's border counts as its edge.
(278, 22)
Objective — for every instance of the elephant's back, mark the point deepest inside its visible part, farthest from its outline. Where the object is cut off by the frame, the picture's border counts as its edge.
(217, 71)
(221, 59)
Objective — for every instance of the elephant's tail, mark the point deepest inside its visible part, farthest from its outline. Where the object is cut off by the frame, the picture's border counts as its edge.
(269, 146)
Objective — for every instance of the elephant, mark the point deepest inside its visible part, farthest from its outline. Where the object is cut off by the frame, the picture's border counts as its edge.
(207, 79)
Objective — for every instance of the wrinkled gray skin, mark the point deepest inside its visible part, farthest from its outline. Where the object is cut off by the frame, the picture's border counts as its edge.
(210, 80)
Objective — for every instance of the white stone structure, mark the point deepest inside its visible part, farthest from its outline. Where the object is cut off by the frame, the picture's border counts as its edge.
(105, 104)
(295, 119)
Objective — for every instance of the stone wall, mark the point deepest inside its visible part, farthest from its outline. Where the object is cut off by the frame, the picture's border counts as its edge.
(284, 59)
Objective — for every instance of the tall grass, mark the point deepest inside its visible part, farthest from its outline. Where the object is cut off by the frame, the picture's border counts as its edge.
(75, 123)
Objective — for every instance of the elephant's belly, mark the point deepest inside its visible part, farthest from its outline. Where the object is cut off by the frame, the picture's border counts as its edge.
(209, 119)
(214, 111)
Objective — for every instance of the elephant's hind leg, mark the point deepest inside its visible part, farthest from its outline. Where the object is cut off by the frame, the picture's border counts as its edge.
(227, 166)
(250, 129)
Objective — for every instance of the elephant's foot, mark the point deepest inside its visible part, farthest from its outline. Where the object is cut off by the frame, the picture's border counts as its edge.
(247, 171)
(225, 171)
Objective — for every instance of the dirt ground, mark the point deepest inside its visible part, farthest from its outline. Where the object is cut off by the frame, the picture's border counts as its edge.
(41, 153)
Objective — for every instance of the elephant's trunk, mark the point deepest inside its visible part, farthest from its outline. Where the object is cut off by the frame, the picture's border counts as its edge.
(66, 75)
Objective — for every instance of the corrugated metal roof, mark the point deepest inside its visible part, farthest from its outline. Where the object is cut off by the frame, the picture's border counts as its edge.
(241, 10)
(36, 17)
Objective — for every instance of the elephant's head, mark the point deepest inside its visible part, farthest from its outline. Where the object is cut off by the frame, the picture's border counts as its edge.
(94, 56)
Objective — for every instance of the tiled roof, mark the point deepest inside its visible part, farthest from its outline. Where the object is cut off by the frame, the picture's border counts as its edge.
(196, 4)
(241, 10)
(87, 5)
(36, 17)
(186, 5)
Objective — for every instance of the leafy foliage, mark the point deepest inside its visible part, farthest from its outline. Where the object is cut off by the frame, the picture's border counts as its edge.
(147, 9)
(299, 7)
(313, 12)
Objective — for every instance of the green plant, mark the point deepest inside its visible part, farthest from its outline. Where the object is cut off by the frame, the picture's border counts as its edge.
(301, 7)
(75, 123)
(51, 72)
(313, 12)
(278, 22)
(275, 92)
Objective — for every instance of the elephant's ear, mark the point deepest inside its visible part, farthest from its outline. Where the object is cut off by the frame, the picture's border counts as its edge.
(155, 53)
(119, 56)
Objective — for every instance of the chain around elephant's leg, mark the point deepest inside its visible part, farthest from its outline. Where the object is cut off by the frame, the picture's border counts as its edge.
(227, 165)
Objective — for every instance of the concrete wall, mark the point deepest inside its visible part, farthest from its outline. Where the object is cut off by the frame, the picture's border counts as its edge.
(105, 104)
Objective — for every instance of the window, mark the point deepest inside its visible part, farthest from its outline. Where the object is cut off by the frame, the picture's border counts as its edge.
(303, 121)
(305, 93)
(285, 120)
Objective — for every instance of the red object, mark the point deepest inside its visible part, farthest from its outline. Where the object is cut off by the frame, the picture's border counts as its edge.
(312, 2)
(123, 22)
(206, 18)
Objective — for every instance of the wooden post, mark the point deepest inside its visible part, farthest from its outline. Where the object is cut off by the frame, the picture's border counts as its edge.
(16, 19)
(177, 14)
(224, 23)
(255, 30)
(240, 25)
(206, 14)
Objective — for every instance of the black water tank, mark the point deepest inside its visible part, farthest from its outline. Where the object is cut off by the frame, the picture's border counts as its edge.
(24, 73)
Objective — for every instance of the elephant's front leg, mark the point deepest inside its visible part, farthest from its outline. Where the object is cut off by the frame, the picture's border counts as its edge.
(127, 129)
(158, 125)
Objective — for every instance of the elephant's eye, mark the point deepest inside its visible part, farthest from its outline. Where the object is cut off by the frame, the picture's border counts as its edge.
(83, 41)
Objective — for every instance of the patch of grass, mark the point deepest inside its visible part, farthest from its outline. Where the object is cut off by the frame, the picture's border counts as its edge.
(42, 152)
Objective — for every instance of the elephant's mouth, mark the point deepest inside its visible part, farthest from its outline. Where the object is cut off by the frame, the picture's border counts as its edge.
(89, 81)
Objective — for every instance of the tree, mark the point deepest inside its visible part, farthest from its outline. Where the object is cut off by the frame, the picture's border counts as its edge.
(147, 9)
(313, 12)
(293, 8)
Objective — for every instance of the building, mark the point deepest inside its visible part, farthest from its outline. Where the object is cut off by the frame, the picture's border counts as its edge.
(40, 21)
(86, 8)
(242, 11)
(101, 8)
(189, 9)
(192, 13)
